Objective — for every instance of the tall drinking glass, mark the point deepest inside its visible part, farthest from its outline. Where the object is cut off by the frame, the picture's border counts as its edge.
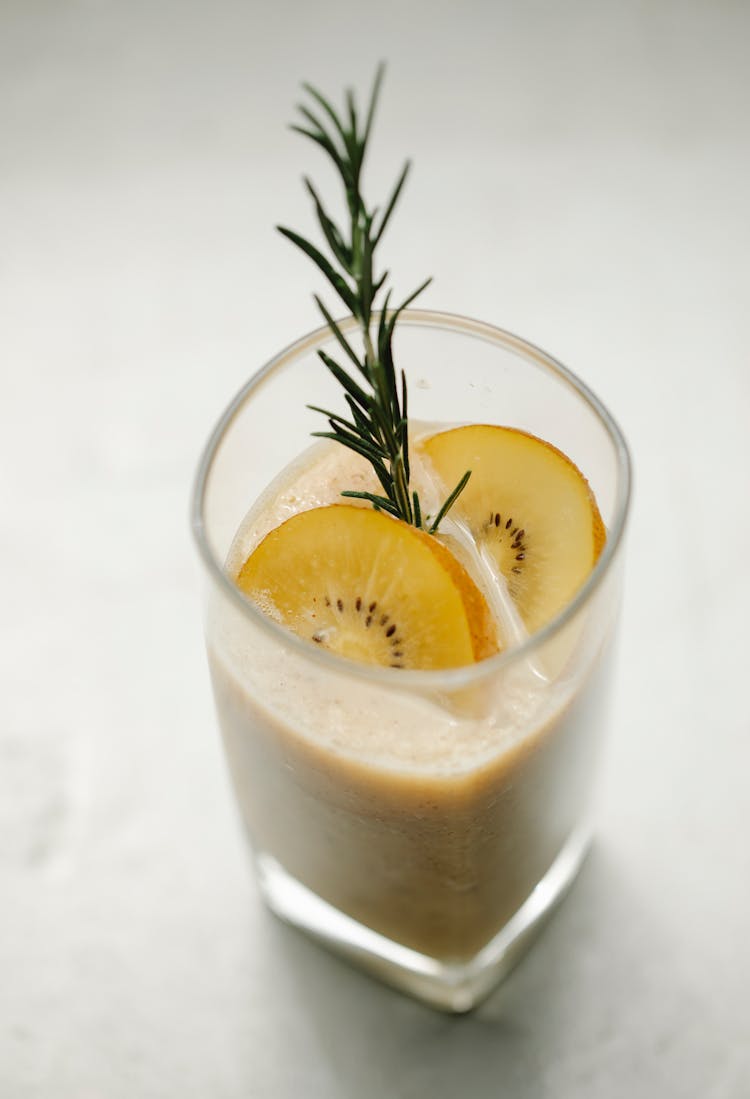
(420, 822)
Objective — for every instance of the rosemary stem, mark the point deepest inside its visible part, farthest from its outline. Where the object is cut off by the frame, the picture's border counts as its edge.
(378, 428)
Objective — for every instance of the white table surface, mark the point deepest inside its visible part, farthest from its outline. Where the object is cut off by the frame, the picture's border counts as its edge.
(581, 176)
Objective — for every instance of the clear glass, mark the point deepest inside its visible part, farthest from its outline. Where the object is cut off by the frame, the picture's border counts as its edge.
(421, 823)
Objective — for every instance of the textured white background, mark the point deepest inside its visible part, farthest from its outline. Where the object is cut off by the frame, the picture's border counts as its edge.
(581, 177)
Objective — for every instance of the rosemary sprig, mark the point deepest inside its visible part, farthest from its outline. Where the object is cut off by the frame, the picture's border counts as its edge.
(376, 395)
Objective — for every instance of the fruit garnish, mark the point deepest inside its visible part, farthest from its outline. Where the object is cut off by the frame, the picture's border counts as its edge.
(529, 507)
(371, 588)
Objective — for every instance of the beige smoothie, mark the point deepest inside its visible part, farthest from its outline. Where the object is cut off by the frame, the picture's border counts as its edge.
(428, 816)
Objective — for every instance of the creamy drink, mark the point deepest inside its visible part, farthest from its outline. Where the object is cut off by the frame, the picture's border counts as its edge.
(409, 629)
(429, 820)
(436, 852)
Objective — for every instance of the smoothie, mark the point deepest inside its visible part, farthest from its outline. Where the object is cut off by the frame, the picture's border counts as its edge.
(429, 818)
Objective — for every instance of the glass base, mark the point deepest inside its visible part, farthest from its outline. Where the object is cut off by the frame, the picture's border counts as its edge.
(453, 987)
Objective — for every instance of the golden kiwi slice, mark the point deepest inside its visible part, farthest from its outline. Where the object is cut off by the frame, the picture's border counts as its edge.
(371, 588)
(529, 506)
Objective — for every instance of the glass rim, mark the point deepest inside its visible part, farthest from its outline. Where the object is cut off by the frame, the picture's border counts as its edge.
(422, 679)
